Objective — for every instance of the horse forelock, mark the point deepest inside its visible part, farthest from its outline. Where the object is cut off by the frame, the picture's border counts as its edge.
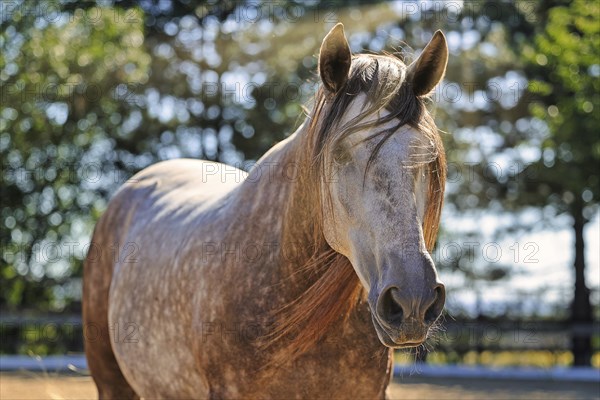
(331, 287)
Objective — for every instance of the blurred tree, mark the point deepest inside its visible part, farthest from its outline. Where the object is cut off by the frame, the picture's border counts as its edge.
(563, 64)
(62, 82)
(532, 143)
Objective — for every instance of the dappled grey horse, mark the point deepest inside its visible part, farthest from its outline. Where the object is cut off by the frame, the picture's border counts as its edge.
(292, 281)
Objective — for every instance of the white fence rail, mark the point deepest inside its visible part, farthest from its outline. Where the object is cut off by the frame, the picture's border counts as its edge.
(78, 363)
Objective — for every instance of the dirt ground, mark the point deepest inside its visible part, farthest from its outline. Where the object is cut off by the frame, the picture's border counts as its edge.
(25, 385)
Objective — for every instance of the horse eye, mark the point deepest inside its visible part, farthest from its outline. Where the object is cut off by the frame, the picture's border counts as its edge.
(341, 156)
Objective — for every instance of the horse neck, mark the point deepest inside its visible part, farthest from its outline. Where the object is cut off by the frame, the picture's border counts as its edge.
(320, 284)
(278, 194)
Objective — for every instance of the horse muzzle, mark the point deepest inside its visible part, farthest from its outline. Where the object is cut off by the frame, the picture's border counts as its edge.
(402, 319)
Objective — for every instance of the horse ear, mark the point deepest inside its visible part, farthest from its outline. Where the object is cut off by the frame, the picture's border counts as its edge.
(429, 69)
(334, 59)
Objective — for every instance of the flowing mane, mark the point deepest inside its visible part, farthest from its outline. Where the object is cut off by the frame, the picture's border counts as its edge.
(330, 286)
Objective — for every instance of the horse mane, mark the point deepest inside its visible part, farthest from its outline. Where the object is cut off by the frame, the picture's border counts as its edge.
(329, 287)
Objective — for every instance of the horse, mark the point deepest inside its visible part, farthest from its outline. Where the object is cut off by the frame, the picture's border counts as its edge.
(294, 280)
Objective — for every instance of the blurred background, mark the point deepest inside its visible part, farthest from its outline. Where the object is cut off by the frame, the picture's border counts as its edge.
(92, 92)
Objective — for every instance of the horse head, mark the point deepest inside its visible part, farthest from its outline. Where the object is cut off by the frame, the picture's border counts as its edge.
(382, 170)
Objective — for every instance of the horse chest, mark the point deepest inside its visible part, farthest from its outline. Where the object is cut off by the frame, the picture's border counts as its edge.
(349, 363)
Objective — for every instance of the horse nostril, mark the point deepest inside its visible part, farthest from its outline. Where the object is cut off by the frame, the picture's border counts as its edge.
(389, 308)
(436, 307)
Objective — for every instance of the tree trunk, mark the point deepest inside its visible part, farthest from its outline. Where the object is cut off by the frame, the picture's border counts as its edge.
(581, 308)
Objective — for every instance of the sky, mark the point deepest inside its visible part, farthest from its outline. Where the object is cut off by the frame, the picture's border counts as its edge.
(542, 260)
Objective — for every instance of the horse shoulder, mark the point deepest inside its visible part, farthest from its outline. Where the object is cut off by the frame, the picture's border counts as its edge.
(166, 211)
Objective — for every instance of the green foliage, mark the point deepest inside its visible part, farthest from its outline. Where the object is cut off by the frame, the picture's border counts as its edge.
(565, 63)
(60, 106)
